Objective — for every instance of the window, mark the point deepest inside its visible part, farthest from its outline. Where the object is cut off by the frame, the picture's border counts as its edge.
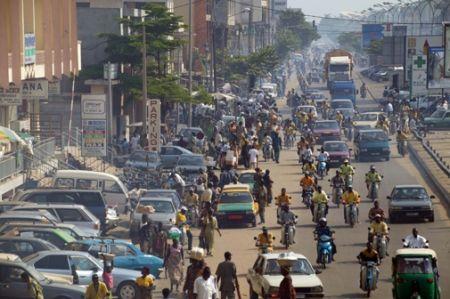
(50, 237)
(447, 115)
(82, 263)
(37, 198)
(60, 197)
(67, 215)
(5, 246)
(55, 262)
(91, 199)
(64, 183)
(23, 248)
(113, 187)
(120, 250)
(10, 274)
(159, 205)
(86, 184)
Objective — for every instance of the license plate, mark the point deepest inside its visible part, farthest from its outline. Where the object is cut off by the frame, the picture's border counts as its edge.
(234, 217)
(412, 214)
(299, 296)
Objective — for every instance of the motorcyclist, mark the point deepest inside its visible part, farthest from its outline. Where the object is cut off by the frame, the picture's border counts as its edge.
(376, 210)
(379, 227)
(323, 229)
(323, 156)
(282, 200)
(319, 197)
(369, 254)
(302, 147)
(306, 182)
(287, 216)
(415, 240)
(310, 167)
(372, 177)
(265, 239)
(337, 181)
(339, 118)
(346, 170)
(362, 90)
(350, 196)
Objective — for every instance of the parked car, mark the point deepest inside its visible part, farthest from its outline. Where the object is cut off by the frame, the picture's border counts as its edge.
(338, 151)
(264, 277)
(189, 167)
(185, 134)
(93, 200)
(13, 286)
(8, 205)
(23, 246)
(236, 206)
(373, 143)
(176, 199)
(30, 217)
(71, 229)
(410, 201)
(85, 265)
(126, 254)
(72, 214)
(144, 160)
(440, 119)
(164, 212)
(326, 130)
(170, 154)
(55, 236)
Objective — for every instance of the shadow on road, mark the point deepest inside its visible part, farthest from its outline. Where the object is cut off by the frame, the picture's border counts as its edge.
(349, 295)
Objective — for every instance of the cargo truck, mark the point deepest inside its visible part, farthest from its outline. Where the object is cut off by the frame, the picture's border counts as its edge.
(338, 66)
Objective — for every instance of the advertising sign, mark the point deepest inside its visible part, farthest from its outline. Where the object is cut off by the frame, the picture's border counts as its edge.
(447, 49)
(35, 89)
(54, 88)
(418, 45)
(154, 124)
(29, 48)
(10, 96)
(371, 33)
(435, 70)
(94, 126)
(418, 84)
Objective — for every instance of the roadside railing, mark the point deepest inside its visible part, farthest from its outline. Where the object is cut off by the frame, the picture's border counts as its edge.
(433, 153)
(11, 165)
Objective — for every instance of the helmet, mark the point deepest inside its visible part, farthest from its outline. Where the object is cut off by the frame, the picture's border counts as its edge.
(264, 228)
(372, 167)
(183, 208)
(338, 171)
(377, 216)
(307, 173)
(346, 161)
(323, 220)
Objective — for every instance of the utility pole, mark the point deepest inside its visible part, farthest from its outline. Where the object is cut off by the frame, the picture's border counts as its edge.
(212, 49)
(250, 30)
(144, 79)
(190, 63)
(110, 103)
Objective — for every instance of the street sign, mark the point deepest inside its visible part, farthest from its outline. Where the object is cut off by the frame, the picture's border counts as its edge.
(154, 124)
(94, 129)
(10, 96)
(418, 84)
(35, 89)
(435, 70)
(54, 88)
(447, 49)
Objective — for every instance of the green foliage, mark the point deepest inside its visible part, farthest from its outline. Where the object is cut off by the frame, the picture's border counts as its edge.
(350, 41)
(376, 47)
(285, 42)
(91, 72)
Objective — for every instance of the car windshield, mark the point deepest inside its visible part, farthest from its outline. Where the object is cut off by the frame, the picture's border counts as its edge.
(299, 267)
(374, 136)
(438, 113)
(367, 117)
(160, 206)
(341, 104)
(410, 194)
(236, 197)
(326, 125)
(414, 265)
(191, 160)
(247, 178)
(335, 147)
(144, 156)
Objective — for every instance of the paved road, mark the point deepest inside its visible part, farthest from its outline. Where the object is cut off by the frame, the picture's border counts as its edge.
(340, 278)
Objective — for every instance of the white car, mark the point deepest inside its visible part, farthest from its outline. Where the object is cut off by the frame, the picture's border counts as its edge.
(307, 109)
(367, 119)
(265, 277)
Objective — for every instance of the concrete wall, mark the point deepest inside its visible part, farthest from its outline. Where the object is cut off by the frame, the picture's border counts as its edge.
(91, 23)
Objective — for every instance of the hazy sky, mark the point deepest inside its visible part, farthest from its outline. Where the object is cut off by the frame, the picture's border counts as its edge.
(322, 7)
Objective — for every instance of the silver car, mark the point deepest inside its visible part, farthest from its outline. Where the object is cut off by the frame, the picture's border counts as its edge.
(65, 262)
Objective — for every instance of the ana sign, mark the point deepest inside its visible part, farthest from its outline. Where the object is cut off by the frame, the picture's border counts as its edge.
(29, 48)
(418, 84)
(154, 124)
(10, 96)
(35, 89)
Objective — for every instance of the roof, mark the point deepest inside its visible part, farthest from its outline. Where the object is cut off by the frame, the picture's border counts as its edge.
(46, 190)
(416, 251)
(334, 141)
(156, 198)
(84, 174)
(341, 100)
(68, 252)
(49, 205)
(9, 257)
(278, 255)
(236, 187)
(102, 240)
(409, 186)
(247, 171)
(326, 121)
(339, 59)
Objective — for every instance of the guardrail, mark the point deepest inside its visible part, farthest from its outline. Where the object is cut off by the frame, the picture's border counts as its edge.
(11, 165)
(433, 153)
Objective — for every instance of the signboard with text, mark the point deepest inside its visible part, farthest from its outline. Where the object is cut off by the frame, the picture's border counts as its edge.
(10, 96)
(94, 126)
(435, 69)
(35, 89)
(29, 49)
(447, 49)
(154, 124)
(370, 34)
(418, 45)
(418, 84)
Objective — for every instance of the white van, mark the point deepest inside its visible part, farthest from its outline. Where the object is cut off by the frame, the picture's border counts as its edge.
(114, 191)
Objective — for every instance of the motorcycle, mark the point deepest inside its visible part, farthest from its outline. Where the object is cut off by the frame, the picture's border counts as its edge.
(287, 237)
(319, 211)
(322, 169)
(371, 279)
(401, 147)
(267, 151)
(307, 197)
(324, 250)
(348, 180)
(263, 248)
(336, 195)
(373, 190)
(351, 213)
(380, 245)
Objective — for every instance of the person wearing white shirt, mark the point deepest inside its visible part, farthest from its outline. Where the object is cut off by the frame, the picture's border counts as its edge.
(253, 157)
(415, 240)
(205, 286)
(389, 108)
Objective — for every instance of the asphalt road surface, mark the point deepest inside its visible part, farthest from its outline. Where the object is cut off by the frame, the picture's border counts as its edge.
(341, 278)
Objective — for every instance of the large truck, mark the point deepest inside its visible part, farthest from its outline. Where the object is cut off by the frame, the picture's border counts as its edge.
(344, 90)
(338, 66)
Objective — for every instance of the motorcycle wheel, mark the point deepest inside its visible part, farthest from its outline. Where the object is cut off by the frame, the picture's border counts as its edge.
(286, 241)
(324, 261)
(368, 293)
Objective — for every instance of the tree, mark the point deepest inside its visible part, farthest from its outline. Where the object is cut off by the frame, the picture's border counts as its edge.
(294, 21)
(350, 41)
(286, 41)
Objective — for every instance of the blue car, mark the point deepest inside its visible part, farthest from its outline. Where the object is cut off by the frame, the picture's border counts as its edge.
(126, 255)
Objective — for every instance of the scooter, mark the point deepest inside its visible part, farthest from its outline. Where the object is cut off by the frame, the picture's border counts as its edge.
(307, 198)
(348, 180)
(401, 147)
(319, 211)
(322, 169)
(380, 244)
(351, 213)
(370, 283)
(263, 248)
(373, 190)
(336, 195)
(267, 151)
(324, 250)
(287, 237)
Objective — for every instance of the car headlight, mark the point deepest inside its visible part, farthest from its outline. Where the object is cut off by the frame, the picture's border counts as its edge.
(394, 208)
(364, 150)
(318, 289)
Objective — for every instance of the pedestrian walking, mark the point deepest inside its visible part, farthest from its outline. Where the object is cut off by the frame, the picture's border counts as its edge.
(145, 284)
(173, 262)
(260, 195)
(268, 183)
(145, 235)
(253, 157)
(205, 286)
(210, 226)
(96, 289)
(227, 278)
(286, 289)
(276, 144)
(159, 241)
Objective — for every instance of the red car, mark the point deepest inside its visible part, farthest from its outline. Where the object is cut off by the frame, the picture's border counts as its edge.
(338, 151)
(326, 130)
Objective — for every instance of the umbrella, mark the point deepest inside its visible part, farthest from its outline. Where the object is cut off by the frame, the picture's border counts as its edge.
(11, 136)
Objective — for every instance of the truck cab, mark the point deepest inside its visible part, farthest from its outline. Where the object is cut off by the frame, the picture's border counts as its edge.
(344, 90)
(339, 69)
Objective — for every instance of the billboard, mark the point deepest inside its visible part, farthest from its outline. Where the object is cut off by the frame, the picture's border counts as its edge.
(94, 127)
(154, 124)
(418, 84)
(418, 45)
(447, 49)
(435, 69)
(370, 33)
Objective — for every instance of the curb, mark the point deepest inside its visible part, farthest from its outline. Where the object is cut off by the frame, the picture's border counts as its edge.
(433, 180)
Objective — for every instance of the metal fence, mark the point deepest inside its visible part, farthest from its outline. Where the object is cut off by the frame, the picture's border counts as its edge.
(44, 150)
(11, 165)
